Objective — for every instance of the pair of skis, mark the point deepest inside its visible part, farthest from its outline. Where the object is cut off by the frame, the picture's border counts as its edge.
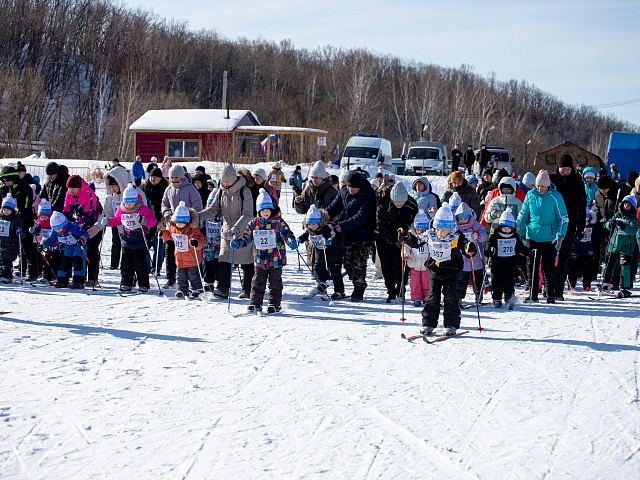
(434, 339)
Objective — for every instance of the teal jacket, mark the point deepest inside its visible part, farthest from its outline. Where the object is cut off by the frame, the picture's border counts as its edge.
(590, 188)
(543, 216)
(623, 240)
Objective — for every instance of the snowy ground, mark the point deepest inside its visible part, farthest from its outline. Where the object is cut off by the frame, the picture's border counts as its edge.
(98, 386)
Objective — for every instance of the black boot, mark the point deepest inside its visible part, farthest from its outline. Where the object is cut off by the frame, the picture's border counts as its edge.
(358, 294)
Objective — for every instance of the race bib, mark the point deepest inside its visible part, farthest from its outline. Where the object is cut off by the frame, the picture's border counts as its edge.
(318, 241)
(273, 178)
(440, 251)
(213, 229)
(130, 221)
(67, 239)
(421, 252)
(5, 226)
(45, 232)
(264, 239)
(506, 247)
(586, 237)
(181, 241)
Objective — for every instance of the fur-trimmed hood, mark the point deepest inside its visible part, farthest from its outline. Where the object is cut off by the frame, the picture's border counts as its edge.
(323, 221)
(247, 176)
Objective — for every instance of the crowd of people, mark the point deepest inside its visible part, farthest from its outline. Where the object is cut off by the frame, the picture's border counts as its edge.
(544, 231)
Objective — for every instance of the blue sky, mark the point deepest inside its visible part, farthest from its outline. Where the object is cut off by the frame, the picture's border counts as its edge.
(582, 51)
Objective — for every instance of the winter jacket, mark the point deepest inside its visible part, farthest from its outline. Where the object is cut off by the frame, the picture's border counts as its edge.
(83, 208)
(137, 170)
(358, 220)
(276, 178)
(571, 188)
(55, 190)
(390, 218)
(416, 255)
(468, 196)
(72, 233)
(503, 250)
(623, 239)
(296, 180)
(427, 201)
(23, 194)
(483, 190)
(455, 243)
(262, 232)
(484, 157)
(469, 158)
(9, 243)
(166, 166)
(590, 189)
(587, 245)
(325, 240)
(321, 196)
(203, 190)
(113, 200)
(236, 207)
(607, 205)
(185, 256)
(155, 194)
(185, 192)
(543, 216)
(134, 235)
(499, 203)
(474, 232)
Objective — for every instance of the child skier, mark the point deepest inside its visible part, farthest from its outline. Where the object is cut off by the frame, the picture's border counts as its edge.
(270, 232)
(73, 259)
(416, 258)
(11, 235)
(623, 227)
(184, 231)
(327, 254)
(42, 229)
(584, 250)
(136, 219)
(475, 233)
(447, 246)
(211, 250)
(503, 247)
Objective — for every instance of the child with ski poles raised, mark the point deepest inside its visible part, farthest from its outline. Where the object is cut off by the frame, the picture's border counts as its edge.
(468, 224)
(136, 219)
(11, 235)
(74, 256)
(270, 232)
(327, 257)
(503, 247)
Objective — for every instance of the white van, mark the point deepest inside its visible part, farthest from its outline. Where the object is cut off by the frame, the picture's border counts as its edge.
(500, 158)
(366, 150)
(427, 157)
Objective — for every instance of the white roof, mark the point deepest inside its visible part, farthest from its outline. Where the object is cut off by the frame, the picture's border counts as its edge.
(190, 120)
(278, 129)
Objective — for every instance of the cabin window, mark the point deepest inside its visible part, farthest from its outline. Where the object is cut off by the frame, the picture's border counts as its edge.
(551, 159)
(183, 148)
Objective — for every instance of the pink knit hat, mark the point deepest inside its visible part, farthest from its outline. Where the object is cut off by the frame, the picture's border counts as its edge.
(542, 180)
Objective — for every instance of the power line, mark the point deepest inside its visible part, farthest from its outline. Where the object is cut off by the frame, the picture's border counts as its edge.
(616, 104)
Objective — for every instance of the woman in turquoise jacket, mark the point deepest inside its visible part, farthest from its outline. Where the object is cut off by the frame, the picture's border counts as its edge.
(543, 223)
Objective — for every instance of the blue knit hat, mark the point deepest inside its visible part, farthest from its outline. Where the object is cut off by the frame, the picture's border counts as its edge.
(9, 202)
(454, 201)
(263, 201)
(313, 216)
(470, 179)
(629, 198)
(58, 221)
(421, 220)
(130, 194)
(444, 217)
(506, 219)
(181, 215)
(44, 207)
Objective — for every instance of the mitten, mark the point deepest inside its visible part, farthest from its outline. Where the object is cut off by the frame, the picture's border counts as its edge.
(293, 244)
(104, 221)
(141, 220)
(234, 243)
(193, 242)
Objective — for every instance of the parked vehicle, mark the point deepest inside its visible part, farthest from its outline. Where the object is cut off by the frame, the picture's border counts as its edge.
(427, 157)
(366, 150)
(624, 151)
(500, 158)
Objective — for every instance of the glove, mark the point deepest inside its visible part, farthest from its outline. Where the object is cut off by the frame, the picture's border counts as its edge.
(141, 220)
(40, 247)
(234, 243)
(471, 248)
(104, 221)
(159, 233)
(401, 237)
(558, 242)
(293, 244)
(233, 231)
(193, 242)
(81, 241)
(490, 251)
(32, 230)
(622, 223)
(19, 231)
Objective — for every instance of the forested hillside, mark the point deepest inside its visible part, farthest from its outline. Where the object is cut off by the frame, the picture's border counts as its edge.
(74, 74)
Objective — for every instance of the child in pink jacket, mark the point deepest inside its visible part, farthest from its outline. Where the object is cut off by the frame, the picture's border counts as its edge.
(416, 258)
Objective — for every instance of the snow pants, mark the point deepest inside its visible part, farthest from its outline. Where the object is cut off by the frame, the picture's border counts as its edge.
(73, 261)
(419, 284)
(186, 276)
(355, 257)
(503, 277)
(259, 285)
(442, 283)
(133, 261)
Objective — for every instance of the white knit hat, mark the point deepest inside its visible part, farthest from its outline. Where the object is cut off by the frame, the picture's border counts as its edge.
(44, 207)
(421, 220)
(454, 201)
(529, 179)
(130, 194)
(9, 202)
(261, 172)
(313, 216)
(263, 201)
(444, 217)
(211, 196)
(319, 169)
(506, 219)
(58, 221)
(181, 215)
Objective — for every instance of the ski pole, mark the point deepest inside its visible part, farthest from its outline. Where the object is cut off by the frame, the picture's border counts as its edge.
(49, 265)
(195, 253)
(233, 254)
(473, 279)
(21, 259)
(533, 273)
(401, 231)
(315, 277)
(155, 273)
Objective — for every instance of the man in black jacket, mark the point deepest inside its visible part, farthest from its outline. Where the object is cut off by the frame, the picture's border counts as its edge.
(469, 158)
(55, 187)
(571, 186)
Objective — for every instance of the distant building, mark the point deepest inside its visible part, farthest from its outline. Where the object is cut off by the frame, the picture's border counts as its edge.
(548, 159)
(208, 135)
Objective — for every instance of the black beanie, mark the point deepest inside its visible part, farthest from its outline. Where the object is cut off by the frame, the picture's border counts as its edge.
(156, 172)
(355, 180)
(20, 167)
(52, 168)
(565, 161)
(605, 181)
(632, 176)
(487, 171)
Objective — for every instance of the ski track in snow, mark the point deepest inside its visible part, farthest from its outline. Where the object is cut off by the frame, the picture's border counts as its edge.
(99, 386)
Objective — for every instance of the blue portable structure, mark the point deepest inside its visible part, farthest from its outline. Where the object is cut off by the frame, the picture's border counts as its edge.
(624, 151)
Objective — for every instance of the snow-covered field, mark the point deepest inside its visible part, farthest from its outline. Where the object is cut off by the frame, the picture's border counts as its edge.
(93, 385)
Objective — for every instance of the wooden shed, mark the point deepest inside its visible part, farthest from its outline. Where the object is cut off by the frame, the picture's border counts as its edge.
(548, 159)
(207, 135)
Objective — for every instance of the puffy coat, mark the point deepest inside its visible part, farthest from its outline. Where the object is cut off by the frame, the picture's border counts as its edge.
(55, 190)
(23, 194)
(390, 218)
(113, 200)
(468, 196)
(427, 201)
(607, 205)
(571, 188)
(543, 216)
(499, 202)
(185, 192)
(186, 258)
(623, 240)
(235, 204)
(457, 242)
(134, 235)
(358, 220)
(272, 257)
(10, 245)
(72, 233)
(277, 178)
(83, 208)
(137, 170)
(321, 196)
(469, 230)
